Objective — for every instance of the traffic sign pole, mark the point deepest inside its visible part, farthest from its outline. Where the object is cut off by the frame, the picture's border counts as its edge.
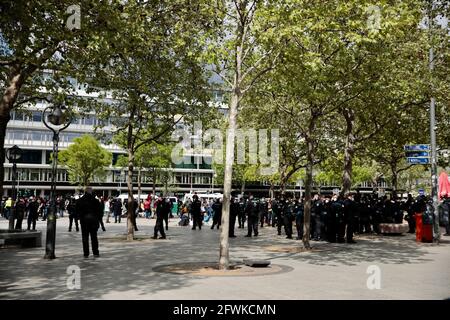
(434, 178)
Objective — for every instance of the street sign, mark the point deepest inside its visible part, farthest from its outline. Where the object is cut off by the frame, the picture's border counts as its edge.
(418, 160)
(417, 147)
(417, 154)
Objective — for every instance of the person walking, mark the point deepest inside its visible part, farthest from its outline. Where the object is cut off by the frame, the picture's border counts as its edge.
(161, 209)
(90, 212)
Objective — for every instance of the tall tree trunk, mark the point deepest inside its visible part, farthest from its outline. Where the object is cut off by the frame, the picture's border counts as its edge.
(348, 152)
(130, 212)
(139, 186)
(224, 259)
(15, 82)
(310, 154)
(131, 151)
(394, 180)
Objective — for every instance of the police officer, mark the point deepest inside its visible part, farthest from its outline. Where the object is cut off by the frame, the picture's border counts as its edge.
(316, 217)
(196, 212)
(234, 211)
(279, 214)
(241, 213)
(332, 218)
(217, 217)
(252, 210)
(263, 211)
(20, 213)
(288, 217)
(299, 218)
(73, 216)
(338, 209)
(274, 207)
(90, 213)
(161, 211)
(33, 206)
(349, 214)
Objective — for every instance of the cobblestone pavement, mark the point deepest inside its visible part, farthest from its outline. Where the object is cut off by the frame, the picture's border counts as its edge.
(124, 270)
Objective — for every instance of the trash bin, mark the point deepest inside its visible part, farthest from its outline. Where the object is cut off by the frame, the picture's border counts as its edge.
(419, 225)
(424, 228)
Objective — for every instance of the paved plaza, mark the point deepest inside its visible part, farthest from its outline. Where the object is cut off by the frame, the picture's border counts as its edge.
(125, 270)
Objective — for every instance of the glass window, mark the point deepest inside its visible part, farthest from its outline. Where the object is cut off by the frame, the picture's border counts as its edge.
(37, 116)
(89, 120)
(34, 175)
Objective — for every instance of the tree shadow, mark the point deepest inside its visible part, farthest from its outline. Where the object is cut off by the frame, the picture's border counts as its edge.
(125, 270)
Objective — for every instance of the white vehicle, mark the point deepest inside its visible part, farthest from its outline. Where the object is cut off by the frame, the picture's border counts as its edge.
(124, 196)
(202, 196)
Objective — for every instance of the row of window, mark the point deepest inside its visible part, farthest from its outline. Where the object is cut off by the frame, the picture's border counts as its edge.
(47, 136)
(36, 116)
(45, 175)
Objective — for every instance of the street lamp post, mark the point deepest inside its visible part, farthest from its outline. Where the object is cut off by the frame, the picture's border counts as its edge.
(13, 154)
(56, 120)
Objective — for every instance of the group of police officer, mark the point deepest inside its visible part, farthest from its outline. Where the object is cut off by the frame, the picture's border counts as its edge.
(333, 218)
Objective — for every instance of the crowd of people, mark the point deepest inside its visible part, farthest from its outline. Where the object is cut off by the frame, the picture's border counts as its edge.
(333, 218)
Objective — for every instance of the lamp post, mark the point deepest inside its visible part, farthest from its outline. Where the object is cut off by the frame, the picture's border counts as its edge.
(13, 154)
(56, 118)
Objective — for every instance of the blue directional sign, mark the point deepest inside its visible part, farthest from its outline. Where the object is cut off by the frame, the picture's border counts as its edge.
(418, 160)
(418, 147)
(417, 154)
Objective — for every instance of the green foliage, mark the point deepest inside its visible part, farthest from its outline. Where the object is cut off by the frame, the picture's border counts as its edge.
(85, 160)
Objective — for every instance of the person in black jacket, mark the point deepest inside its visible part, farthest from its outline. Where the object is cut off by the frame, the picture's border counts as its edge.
(234, 211)
(252, 211)
(20, 213)
(196, 213)
(161, 212)
(33, 207)
(89, 210)
(349, 214)
(217, 217)
(73, 216)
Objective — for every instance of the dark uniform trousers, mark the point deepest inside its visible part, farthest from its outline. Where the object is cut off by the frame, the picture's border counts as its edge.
(280, 222)
(299, 225)
(73, 217)
(287, 225)
(197, 221)
(89, 228)
(252, 225)
(159, 226)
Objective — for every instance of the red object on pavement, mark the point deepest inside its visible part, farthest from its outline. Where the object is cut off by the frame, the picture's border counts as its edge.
(424, 232)
(419, 226)
(444, 186)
